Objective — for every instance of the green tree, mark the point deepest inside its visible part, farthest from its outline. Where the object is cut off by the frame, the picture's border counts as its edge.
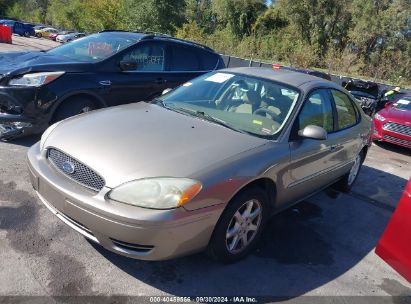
(155, 15)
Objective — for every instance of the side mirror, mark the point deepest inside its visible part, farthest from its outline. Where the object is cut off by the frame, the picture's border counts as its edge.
(313, 132)
(128, 65)
(166, 91)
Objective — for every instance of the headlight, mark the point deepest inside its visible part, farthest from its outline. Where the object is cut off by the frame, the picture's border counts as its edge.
(35, 79)
(379, 117)
(157, 193)
(46, 134)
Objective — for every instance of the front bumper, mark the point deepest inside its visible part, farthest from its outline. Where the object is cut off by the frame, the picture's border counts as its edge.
(20, 114)
(380, 134)
(135, 232)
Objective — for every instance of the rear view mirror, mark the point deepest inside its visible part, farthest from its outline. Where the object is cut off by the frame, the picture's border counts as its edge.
(313, 132)
(128, 65)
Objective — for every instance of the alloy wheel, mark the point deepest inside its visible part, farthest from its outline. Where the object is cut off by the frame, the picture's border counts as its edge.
(243, 226)
(354, 170)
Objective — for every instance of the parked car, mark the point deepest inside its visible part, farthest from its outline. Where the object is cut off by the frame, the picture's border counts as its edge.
(45, 32)
(20, 28)
(204, 166)
(367, 94)
(39, 27)
(100, 70)
(393, 123)
(394, 246)
(69, 37)
(55, 35)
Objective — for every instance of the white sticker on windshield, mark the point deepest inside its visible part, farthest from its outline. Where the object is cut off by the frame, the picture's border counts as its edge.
(404, 101)
(219, 77)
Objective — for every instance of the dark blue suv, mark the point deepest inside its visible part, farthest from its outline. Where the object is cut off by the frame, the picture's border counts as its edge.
(19, 28)
(105, 69)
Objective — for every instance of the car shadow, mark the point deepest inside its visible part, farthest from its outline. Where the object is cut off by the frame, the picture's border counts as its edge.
(302, 248)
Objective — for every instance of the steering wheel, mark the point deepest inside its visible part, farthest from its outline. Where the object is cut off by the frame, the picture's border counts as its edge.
(263, 111)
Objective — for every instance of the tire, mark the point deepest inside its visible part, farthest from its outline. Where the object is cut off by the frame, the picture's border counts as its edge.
(73, 106)
(348, 180)
(26, 34)
(38, 35)
(219, 246)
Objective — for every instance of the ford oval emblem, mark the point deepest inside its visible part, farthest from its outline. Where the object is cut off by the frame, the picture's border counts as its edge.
(68, 167)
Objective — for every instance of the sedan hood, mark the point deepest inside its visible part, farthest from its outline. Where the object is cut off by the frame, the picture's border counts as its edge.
(141, 140)
(397, 115)
(16, 63)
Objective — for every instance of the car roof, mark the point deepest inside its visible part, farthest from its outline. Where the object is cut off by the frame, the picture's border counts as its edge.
(159, 36)
(292, 78)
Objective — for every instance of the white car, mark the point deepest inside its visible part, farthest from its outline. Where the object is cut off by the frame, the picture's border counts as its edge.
(69, 37)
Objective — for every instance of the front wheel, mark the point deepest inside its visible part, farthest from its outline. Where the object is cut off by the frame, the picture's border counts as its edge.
(73, 106)
(347, 182)
(240, 226)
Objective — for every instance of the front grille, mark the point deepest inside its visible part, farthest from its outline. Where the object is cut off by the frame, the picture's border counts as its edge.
(82, 174)
(398, 140)
(397, 128)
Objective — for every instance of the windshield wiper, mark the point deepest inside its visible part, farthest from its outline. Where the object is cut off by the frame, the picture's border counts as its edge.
(208, 117)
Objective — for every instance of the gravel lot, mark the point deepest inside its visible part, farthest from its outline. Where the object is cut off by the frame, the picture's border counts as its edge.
(322, 247)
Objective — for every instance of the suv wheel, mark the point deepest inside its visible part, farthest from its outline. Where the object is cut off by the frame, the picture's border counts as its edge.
(26, 34)
(240, 226)
(73, 106)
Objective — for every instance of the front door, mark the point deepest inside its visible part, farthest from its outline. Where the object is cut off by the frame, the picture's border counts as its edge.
(311, 160)
(144, 82)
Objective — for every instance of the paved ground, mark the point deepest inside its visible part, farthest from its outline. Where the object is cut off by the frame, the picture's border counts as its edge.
(27, 44)
(322, 247)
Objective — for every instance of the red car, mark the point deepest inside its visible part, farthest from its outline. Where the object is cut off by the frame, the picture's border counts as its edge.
(53, 36)
(394, 247)
(393, 123)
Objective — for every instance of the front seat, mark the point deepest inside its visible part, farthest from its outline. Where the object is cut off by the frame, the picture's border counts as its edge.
(251, 102)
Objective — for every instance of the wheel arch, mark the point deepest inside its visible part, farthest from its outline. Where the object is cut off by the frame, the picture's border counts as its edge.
(97, 100)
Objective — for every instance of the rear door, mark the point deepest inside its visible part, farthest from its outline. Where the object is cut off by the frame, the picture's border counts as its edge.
(348, 132)
(147, 80)
(312, 160)
(184, 64)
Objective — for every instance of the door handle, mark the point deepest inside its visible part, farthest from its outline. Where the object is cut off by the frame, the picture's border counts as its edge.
(160, 81)
(105, 82)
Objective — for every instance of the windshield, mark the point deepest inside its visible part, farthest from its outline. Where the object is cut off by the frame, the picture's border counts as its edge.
(403, 104)
(94, 48)
(252, 105)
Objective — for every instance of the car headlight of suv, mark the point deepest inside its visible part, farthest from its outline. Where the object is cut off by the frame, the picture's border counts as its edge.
(379, 117)
(157, 193)
(46, 135)
(35, 79)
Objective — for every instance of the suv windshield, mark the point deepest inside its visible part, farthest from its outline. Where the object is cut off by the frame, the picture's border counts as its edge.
(94, 48)
(243, 103)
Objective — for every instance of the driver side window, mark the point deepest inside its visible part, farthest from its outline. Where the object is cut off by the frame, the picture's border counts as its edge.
(148, 57)
(317, 111)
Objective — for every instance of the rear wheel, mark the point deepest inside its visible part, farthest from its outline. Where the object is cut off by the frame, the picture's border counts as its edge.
(346, 183)
(26, 34)
(73, 106)
(240, 226)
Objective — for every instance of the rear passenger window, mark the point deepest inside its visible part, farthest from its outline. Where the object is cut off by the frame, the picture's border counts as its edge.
(346, 114)
(148, 56)
(317, 111)
(184, 59)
